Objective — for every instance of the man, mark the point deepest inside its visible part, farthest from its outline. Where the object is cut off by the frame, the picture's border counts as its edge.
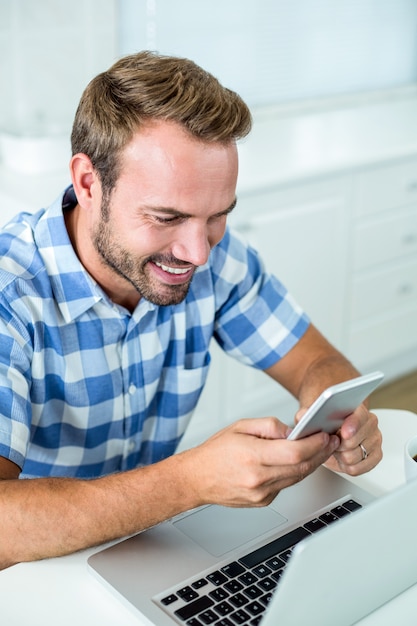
(108, 303)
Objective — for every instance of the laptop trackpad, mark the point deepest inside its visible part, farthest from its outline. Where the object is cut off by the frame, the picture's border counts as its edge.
(220, 529)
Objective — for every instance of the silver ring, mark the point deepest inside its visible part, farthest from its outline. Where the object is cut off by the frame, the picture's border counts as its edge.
(364, 451)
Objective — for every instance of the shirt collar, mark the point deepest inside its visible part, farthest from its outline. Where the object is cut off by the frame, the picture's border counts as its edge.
(74, 289)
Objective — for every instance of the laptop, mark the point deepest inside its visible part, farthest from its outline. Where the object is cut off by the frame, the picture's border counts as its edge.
(324, 552)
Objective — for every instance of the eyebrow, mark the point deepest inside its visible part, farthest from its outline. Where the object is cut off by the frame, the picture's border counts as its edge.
(177, 213)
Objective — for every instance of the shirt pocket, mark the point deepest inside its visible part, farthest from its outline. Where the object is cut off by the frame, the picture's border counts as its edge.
(180, 389)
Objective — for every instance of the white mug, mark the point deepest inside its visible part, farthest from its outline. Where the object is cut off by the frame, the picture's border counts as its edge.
(410, 456)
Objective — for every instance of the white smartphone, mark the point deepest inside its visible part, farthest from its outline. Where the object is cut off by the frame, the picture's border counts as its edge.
(334, 404)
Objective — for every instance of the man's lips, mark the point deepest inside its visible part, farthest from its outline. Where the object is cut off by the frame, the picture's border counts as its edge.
(171, 274)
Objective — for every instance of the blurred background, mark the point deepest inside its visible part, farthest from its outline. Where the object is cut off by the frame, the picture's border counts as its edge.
(331, 164)
(270, 51)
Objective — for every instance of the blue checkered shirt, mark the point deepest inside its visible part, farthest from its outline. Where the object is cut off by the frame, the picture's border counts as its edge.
(87, 388)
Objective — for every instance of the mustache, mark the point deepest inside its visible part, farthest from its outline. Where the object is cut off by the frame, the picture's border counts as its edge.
(168, 259)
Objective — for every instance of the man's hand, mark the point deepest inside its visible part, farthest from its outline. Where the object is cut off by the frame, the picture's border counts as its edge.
(360, 447)
(309, 368)
(249, 462)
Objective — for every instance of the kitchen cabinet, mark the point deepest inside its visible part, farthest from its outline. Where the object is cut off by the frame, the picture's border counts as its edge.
(382, 325)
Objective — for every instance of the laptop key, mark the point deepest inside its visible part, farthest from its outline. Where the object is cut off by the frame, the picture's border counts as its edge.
(266, 599)
(352, 505)
(233, 569)
(248, 578)
(219, 594)
(169, 599)
(193, 608)
(233, 586)
(277, 575)
(208, 617)
(224, 608)
(225, 621)
(328, 517)
(274, 547)
(261, 571)
(340, 511)
(240, 616)
(275, 563)
(314, 525)
(252, 592)
(197, 584)
(267, 584)
(285, 556)
(238, 600)
(217, 578)
(255, 608)
(187, 594)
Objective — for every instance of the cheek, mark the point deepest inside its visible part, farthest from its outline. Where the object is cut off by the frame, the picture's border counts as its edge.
(147, 240)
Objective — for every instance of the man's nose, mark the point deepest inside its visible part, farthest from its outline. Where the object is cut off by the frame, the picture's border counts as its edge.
(193, 244)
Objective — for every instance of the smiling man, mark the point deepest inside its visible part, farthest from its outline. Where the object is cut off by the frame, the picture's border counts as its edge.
(153, 232)
(109, 301)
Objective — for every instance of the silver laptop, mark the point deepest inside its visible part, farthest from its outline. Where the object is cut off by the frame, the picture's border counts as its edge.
(323, 552)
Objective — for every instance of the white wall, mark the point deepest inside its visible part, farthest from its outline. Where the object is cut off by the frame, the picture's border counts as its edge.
(273, 51)
(49, 50)
(267, 50)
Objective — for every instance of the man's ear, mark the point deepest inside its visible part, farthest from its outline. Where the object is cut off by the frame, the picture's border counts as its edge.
(84, 179)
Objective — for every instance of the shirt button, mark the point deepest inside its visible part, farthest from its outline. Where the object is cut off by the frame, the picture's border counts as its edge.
(131, 446)
(132, 389)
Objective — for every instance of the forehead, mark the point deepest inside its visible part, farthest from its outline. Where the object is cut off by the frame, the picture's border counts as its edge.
(162, 156)
(169, 141)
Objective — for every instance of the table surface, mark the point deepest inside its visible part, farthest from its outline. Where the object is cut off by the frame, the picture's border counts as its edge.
(62, 591)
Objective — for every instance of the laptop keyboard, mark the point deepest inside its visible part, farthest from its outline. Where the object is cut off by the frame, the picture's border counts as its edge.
(239, 592)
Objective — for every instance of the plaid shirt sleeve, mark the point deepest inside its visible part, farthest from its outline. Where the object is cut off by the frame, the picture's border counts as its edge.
(258, 321)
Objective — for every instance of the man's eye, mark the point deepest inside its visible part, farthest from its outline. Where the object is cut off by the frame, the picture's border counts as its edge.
(166, 220)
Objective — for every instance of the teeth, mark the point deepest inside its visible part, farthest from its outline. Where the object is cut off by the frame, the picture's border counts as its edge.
(172, 270)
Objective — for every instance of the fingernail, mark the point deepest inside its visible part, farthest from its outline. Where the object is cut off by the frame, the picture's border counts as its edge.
(335, 441)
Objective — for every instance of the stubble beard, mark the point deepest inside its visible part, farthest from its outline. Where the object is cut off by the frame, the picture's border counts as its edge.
(124, 264)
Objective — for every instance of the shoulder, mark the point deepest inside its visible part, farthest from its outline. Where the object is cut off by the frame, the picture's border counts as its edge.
(18, 250)
(27, 240)
(235, 259)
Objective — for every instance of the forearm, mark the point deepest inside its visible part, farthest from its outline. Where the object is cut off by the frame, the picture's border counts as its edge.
(325, 371)
(55, 516)
(311, 366)
(245, 464)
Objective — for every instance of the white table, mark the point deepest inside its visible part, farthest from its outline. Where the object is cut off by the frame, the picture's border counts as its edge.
(62, 592)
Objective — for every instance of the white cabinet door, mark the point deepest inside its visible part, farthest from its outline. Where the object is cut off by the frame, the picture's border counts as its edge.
(382, 322)
(386, 187)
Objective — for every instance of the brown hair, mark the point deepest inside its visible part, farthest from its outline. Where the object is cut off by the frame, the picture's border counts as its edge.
(146, 86)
